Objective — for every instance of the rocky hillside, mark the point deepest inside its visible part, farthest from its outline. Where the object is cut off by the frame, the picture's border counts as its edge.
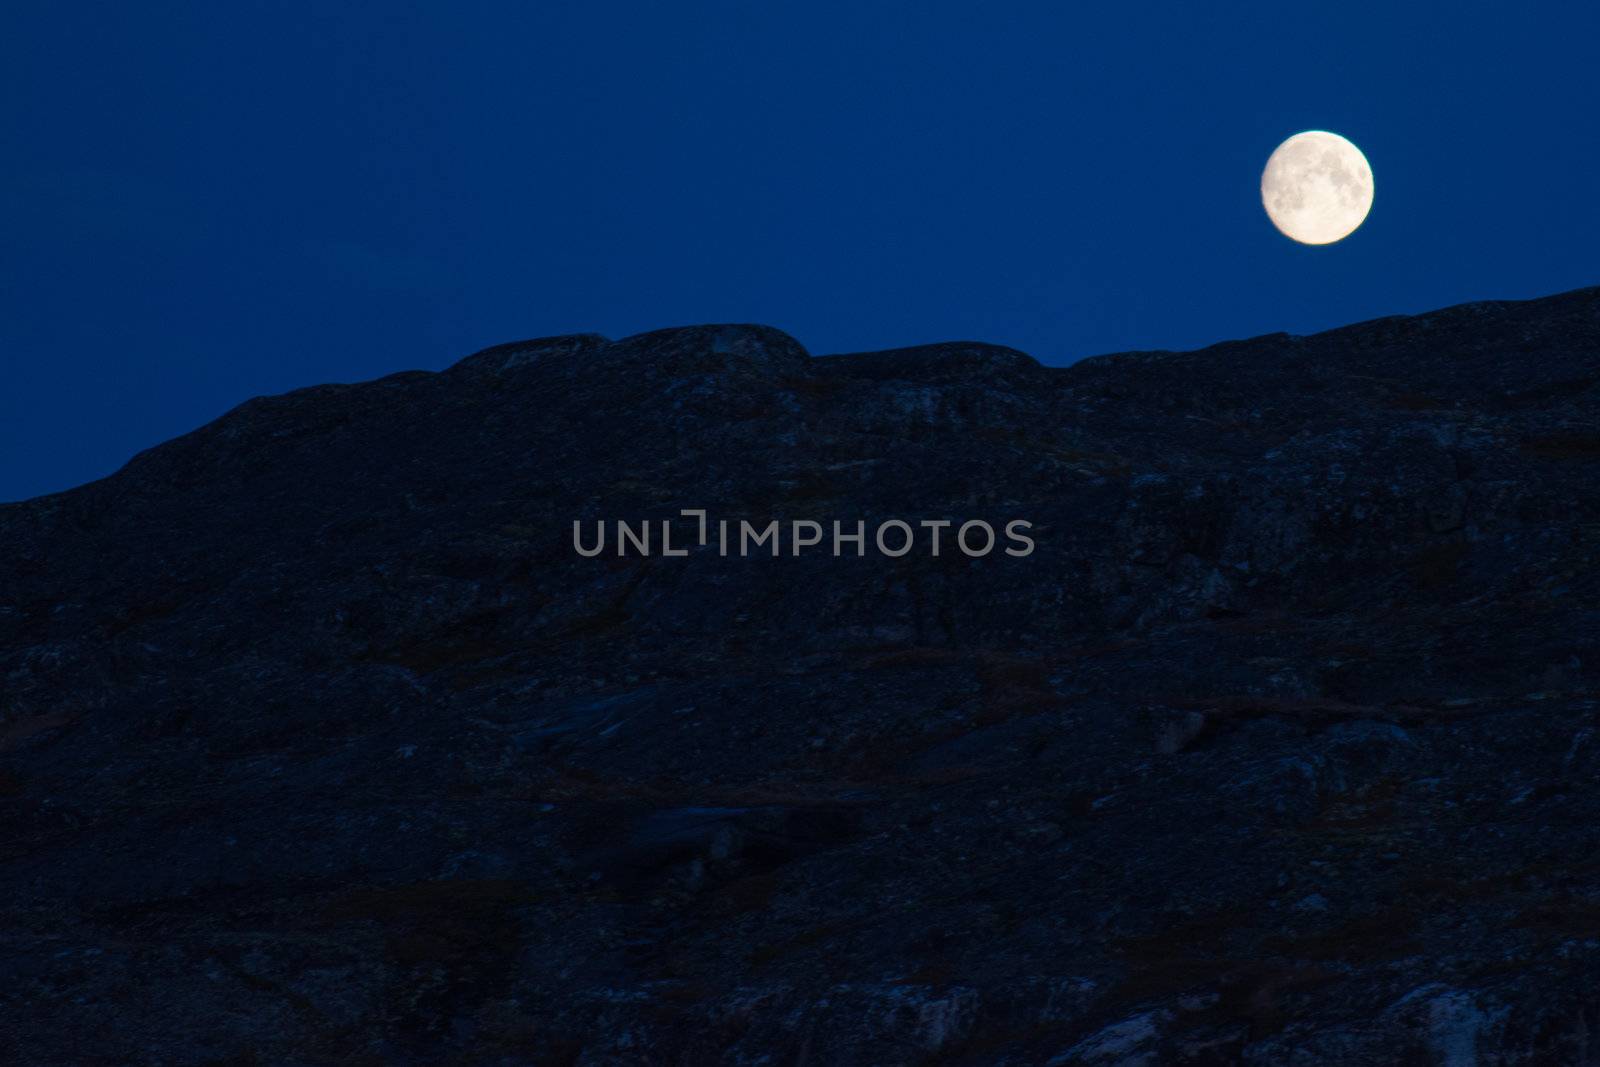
(320, 743)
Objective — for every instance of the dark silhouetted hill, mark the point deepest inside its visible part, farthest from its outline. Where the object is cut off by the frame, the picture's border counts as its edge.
(320, 744)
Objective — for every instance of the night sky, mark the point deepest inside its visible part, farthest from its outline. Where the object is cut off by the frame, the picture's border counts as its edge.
(206, 202)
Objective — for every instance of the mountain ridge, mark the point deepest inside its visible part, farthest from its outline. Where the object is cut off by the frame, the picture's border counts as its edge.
(592, 342)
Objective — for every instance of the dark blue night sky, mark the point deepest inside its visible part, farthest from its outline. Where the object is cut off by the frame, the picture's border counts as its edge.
(205, 202)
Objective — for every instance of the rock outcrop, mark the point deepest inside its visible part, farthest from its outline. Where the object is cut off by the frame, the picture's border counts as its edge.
(320, 743)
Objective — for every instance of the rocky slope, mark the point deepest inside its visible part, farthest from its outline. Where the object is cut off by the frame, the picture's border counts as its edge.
(320, 744)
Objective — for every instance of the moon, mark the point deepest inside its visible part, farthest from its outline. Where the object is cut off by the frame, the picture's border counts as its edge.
(1317, 188)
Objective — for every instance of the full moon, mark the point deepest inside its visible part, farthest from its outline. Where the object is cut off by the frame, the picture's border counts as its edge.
(1317, 188)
